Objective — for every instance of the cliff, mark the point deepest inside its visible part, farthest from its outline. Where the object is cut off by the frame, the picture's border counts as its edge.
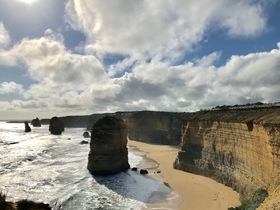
(75, 121)
(70, 121)
(240, 148)
(148, 126)
(155, 127)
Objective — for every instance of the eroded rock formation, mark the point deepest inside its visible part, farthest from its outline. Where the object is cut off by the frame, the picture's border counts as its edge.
(86, 134)
(27, 127)
(56, 126)
(239, 148)
(36, 122)
(108, 147)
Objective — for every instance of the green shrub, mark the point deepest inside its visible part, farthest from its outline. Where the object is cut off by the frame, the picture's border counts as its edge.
(253, 202)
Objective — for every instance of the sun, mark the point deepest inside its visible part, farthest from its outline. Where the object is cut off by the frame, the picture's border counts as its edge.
(27, 1)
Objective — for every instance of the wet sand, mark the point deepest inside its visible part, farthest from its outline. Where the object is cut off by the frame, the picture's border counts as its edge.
(192, 192)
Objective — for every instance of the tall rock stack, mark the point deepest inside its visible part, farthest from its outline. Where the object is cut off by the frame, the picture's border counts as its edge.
(108, 147)
(56, 126)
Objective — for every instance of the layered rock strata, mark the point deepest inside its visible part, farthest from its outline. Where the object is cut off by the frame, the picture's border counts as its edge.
(239, 148)
(108, 147)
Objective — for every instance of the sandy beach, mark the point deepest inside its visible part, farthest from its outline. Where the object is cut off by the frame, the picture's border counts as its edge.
(196, 192)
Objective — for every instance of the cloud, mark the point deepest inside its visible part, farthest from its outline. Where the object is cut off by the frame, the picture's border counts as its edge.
(10, 87)
(209, 59)
(52, 66)
(163, 29)
(185, 87)
(4, 36)
(241, 18)
(149, 38)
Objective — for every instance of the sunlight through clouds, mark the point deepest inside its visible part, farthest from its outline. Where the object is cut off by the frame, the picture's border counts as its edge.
(27, 1)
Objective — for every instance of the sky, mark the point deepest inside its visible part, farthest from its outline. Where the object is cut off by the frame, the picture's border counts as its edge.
(79, 57)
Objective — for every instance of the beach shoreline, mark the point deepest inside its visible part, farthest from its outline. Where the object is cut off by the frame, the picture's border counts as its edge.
(193, 192)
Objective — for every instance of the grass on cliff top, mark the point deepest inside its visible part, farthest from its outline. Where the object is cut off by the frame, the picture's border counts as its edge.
(252, 203)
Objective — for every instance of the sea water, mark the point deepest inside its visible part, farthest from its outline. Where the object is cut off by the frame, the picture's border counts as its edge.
(49, 168)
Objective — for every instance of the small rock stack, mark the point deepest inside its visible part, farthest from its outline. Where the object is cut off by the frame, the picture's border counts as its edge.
(36, 122)
(108, 147)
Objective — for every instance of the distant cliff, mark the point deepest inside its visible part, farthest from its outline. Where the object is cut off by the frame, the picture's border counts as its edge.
(155, 127)
(240, 148)
(70, 121)
(149, 126)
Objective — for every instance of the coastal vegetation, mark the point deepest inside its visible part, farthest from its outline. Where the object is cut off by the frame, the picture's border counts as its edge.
(22, 204)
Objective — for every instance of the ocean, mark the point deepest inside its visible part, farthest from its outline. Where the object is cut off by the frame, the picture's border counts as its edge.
(52, 169)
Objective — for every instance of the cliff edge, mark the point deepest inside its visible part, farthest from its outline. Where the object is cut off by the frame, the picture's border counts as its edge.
(240, 148)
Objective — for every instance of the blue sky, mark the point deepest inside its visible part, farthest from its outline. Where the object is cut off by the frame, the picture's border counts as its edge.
(73, 57)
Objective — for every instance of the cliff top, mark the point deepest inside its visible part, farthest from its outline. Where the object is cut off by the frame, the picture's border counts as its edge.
(260, 116)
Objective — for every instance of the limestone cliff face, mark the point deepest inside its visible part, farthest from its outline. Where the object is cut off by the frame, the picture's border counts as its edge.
(149, 126)
(238, 148)
(155, 127)
(108, 150)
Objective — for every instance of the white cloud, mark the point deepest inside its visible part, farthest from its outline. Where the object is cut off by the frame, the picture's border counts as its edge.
(242, 18)
(10, 87)
(166, 29)
(4, 36)
(150, 36)
(53, 67)
(209, 59)
(186, 87)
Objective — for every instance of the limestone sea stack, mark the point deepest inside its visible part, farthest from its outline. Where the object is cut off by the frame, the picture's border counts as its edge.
(27, 127)
(56, 126)
(108, 147)
(36, 122)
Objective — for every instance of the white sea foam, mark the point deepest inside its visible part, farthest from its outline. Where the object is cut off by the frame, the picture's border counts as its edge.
(43, 167)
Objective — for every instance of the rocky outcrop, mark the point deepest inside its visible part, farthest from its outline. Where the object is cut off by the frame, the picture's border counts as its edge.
(108, 147)
(36, 122)
(27, 127)
(86, 134)
(240, 148)
(149, 126)
(56, 126)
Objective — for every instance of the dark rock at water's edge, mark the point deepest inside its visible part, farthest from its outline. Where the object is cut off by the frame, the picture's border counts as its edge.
(27, 127)
(84, 142)
(108, 147)
(86, 134)
(36, 122)
(143, 171)
(56, 126)
(149, 126)
(22, 205)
